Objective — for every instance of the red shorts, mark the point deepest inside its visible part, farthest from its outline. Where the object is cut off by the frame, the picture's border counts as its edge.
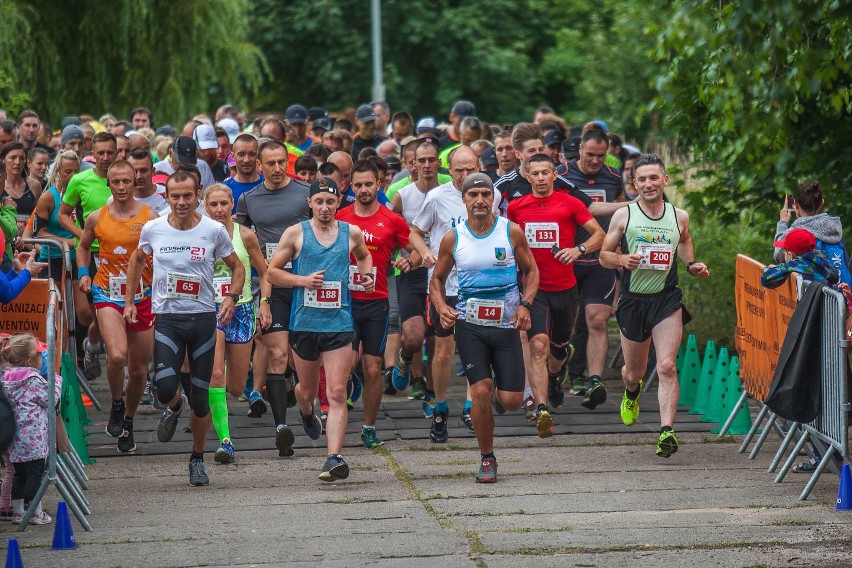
(144, 317)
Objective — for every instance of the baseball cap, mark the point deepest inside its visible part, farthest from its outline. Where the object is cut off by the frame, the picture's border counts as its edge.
(798, 241)
(296, 114)
(230, 126)
(477, 179)
(183, 150)
(425, 123)
(393, 163)
(571, 148)
(366, 113)
(205, 137)
(323, 122)
(316, 112)
(463, 109)
(554, 137)
(324, 185)
(165, 130)
(489, 157)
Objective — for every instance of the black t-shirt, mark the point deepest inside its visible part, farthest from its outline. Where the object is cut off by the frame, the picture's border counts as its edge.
(605, 186)
(513, 185)
(359, 144)
(220, 171)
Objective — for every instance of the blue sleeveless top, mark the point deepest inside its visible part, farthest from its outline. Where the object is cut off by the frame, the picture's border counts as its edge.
(326, 310)
(54, 228)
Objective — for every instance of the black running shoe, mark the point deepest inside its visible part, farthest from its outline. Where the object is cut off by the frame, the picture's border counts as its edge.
(284, 442)
(595, 394)
(115, 426)
(126, 444)
(334, 469)
(465, 420)
(438, 432)
(555, 394)
(312, 425)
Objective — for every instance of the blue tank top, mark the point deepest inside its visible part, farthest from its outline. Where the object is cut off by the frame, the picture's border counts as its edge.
(327, 309)
(54, 228)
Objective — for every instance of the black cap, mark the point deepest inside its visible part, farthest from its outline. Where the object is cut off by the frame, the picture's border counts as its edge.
(324, 185)
(366, 113)
(296, 114)
(463, 109)
(393, 162)
(183, 150)
(316, 112)
(323, 122)
(165, 130)
(571, 148)
(554, 137)
(489, 157)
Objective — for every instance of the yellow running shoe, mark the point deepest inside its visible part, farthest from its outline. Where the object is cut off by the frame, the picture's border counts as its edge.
(630, 408)
(544, 424)
(667, 444)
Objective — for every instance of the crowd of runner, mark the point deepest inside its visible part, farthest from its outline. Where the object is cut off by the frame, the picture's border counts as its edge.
(306, 261)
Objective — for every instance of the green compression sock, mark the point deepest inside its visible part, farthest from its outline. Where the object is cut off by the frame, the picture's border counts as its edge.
(219, 412)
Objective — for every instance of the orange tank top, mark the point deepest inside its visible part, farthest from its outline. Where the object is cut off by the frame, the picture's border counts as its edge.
(118, 238)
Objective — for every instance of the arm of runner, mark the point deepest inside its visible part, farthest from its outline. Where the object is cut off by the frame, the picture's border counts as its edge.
(437, 291)
(288, 247)
(84, 253)
(413, 261)
(605, 209)
(43, 210)
(611, 259)
(418, 241)
(259, 263)
(525, 261)
(67, 222)
(685, 250)
(238, 280)
(396, 203)
(134, 272)
(362, 257)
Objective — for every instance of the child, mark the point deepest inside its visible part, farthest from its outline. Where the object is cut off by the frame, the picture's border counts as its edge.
(801, 255)
(27, 391)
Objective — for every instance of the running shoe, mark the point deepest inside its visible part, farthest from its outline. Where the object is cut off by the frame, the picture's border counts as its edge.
(428, 405)
(555, 394)
(37, 519)
(334, 469)
(465, 420)
(91, 361)
(418, 389)
(438, 432)
(257, 406)
(354, 388)
(630, 408)
(595, 395)
(168, 421)
(498, 406)
(115, 425)
(225, 453)
(487, 471)
(667, 444)
(146, 395)
(529, 408)
(126, 444)
(544, 423)
(312, 425)
(390, 390)
(284, 442)
(460, 370)
(323, 419)
(197, 473)
(368, 436)
(401, 373)
(579, 385)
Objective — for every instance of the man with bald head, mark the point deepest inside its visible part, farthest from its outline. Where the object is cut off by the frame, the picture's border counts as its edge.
(442, 210)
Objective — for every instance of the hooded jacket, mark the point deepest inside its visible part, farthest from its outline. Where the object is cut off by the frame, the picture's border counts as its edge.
(824, 227)
(812, 265)
(27, 392)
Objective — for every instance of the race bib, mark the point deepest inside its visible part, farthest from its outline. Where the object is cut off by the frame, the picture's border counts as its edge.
(326, 297)
(655, 257)
(221, 288)
(270, 250)
(484, 312)
(542, 235)
(355, 278)
(118, 289)
(596, 195)
(182, 286)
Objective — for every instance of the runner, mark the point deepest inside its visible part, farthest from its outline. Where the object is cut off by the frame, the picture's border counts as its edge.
(487, 252)
(185, 245)
(234, 340)
(117, 227)
(650, 231)
(384, 232)
(321, 322)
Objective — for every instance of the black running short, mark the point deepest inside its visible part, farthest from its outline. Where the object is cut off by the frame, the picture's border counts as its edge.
(411, 290)
(279, 304)
(638, 315)
(309, 345)
(433, 322)
(595, 283)
(483, 349)
(553, 314)
(177, 335)
(370, 318)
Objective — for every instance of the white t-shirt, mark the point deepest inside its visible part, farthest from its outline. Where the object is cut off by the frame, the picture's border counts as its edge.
(183, 264)
(442, 210)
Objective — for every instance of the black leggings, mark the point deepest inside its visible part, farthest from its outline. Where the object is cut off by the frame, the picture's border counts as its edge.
(175, 335)
(27, 480)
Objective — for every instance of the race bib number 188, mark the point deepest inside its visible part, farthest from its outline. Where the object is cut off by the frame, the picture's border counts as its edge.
(328, 296)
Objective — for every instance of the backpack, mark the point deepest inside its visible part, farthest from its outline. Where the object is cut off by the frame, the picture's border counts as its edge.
(838, 258)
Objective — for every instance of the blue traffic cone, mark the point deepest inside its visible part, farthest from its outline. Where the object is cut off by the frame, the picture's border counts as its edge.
(13, 554)
(63, 534)
(844, 492)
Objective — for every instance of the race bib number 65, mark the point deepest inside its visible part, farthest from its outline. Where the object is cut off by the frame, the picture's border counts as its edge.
(183, 286)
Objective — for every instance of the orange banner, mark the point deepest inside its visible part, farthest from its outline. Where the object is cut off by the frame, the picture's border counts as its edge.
(28, 313)
(762, 319)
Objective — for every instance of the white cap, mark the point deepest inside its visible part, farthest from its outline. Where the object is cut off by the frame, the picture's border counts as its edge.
(205, 137)
(230, 126)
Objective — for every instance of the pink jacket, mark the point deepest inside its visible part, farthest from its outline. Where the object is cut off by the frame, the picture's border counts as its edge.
(27, 392)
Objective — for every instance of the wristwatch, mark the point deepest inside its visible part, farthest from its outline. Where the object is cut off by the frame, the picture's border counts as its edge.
(582, 249)
(264, 299)
(525, 304)
(235, 297)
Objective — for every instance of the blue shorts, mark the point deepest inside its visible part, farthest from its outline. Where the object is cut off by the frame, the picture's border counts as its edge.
(242, 326)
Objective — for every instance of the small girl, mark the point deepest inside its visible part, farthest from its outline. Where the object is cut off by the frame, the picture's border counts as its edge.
(27, 391)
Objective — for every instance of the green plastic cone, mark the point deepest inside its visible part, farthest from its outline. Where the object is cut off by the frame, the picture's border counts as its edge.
(716, 400)
(70, 413)
(689, 372)
(69, 376)
(705, 380)
(742, 421)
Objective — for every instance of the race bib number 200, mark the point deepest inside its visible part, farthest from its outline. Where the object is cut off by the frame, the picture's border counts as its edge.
(655, 257)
